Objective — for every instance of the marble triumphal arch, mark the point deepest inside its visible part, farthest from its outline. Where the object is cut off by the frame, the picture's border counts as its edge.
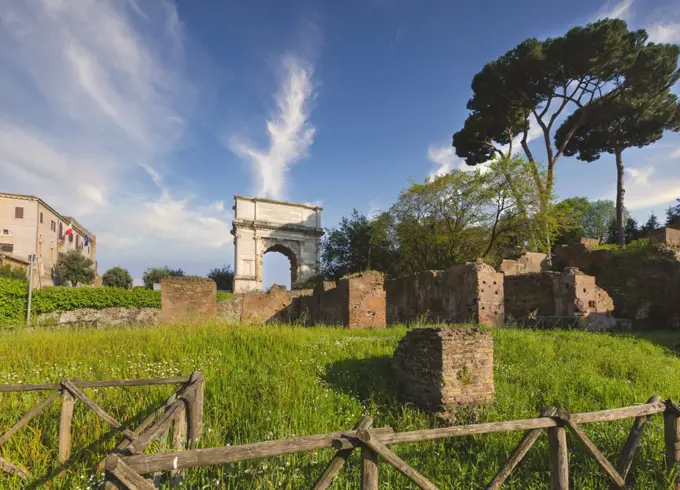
(265, 225)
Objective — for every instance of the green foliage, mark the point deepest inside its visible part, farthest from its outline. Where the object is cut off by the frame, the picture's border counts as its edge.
(359, 244)
(222, 295)
(117, 277)
(673, 213)
(9, 272)
(75, 268)
(223, 277)
(651, 224)
(271, 382)
(577, 217)
(154, 275)
(13, 300)
(631, 231)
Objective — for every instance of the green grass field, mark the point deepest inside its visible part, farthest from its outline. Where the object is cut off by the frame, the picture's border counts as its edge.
(273, 382)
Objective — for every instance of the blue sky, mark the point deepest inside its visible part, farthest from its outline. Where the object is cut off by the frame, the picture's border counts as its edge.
(143, 118)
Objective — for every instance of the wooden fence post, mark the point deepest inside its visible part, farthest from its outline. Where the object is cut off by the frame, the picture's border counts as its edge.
(369, 469)
(559, 458)
(195, 410)
(65, 421)
(179, 443)
(671, 430)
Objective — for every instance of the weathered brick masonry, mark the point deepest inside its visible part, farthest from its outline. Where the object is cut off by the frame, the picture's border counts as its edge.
(440, 368)
(568, 294)
(188, 299)
(471, 292)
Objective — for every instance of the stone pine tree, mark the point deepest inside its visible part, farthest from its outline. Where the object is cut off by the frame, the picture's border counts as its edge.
(75, 268)
(539, 81)
(619, 124)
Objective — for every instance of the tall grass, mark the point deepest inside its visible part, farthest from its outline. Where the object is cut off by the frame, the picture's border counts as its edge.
(265, 383)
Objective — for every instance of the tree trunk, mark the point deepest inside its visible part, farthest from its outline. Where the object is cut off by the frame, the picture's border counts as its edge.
(620, 229)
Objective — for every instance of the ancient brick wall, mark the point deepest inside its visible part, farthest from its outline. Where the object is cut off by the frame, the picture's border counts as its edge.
(669, 236)
(275, 306)
(471, 292)
(644, 284)
(332, 305)
(568, 294)
(366, 305)
(188, 299)
(527, 263)
(441, 368)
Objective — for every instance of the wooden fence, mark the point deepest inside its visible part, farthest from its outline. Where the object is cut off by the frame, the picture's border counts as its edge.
(184, 408)
(127, 471)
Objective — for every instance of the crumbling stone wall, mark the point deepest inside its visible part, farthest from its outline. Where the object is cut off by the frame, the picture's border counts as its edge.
(115, 316)
(367, 301)
(471, 292)
(441, 368)
(188, 299)
(275, 306)
(568, 294)
(667, 235)
(643, 283)
(527, 263)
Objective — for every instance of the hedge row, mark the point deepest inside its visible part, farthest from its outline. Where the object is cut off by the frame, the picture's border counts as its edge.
(14, 296)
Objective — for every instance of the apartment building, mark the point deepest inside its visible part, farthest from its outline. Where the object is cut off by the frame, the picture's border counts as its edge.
(28, 225)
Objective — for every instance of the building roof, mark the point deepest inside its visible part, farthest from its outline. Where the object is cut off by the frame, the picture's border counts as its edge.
(274, 201)
(76, 225)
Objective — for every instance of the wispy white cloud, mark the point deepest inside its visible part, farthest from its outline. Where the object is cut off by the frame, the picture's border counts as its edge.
(445, 159)
(661, 32)
(289, 130)
(645, 189)
(94, 96)
(616, 9)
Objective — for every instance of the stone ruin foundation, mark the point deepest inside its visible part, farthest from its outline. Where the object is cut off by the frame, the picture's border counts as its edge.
(526, 263)
(444, 368)
(188, 299)
(471, 292)
(570, 295)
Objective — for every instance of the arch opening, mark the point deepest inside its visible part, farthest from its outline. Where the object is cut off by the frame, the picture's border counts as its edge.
(273, 270)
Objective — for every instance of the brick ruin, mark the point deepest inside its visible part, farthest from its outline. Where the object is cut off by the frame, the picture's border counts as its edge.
(357, 301)
(528, 262)
(442, 368)
(570, 294)
(471, 292)
(188, 299)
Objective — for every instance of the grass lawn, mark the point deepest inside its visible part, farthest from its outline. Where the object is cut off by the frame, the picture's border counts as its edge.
(274, 382)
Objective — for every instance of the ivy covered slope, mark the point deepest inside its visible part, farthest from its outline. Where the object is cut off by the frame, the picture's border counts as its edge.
(14, 296)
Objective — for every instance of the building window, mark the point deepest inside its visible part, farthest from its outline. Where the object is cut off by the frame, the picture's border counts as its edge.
(70, 238)
(19, 212)
(61, 231)
(5, 232)
(41, 217)
(77, 241)
(6, 247)
(53, 226)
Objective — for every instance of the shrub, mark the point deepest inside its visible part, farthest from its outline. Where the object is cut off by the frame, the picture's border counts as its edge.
(9, 272)
(154, 275)
(117, 277)
(75, 268)
(13, 298)
(223, 277)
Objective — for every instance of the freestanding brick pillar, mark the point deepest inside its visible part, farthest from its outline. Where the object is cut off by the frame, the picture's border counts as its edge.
(442, 368)
(188, 299)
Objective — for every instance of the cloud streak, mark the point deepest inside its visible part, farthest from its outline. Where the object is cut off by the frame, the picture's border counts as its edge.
(94, 97)
(289, 131)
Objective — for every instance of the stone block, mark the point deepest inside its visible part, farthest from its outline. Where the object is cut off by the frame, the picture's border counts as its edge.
(442, 368)
(188, 299)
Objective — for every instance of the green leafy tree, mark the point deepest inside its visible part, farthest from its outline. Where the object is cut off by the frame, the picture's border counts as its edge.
(9, 272)
(75, 268)
(539, 81)
(358, 244)
(154, 275)
(223, 277)
(622, 123)
(597, 219)
(673, 213)
(569, 216)
(117, 277)
(631, 231)
(651, 224)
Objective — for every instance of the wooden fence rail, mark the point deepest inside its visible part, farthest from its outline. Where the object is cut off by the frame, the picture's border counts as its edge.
(126, 471)
(187, 399)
